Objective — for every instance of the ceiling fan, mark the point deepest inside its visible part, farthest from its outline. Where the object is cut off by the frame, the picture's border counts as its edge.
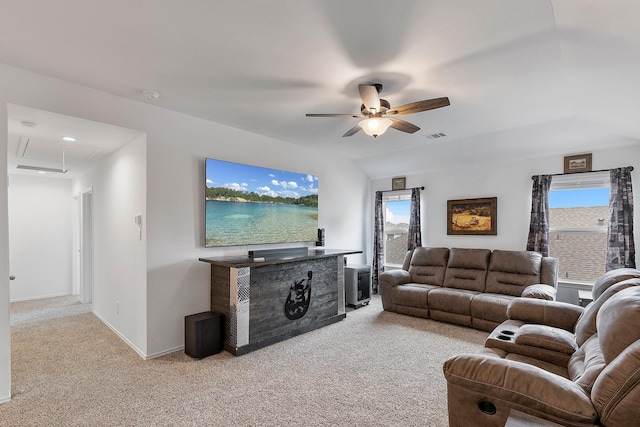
(379, 116)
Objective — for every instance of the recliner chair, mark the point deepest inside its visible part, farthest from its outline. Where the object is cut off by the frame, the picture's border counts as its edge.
(557, 362)
(550, 332)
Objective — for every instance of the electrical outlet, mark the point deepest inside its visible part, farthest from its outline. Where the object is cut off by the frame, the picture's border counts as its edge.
(117, 307)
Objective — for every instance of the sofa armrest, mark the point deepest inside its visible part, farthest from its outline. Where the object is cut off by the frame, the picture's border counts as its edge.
(389, 280)
(540, 291)
(522, 385)
(551, 313)
(393, 278)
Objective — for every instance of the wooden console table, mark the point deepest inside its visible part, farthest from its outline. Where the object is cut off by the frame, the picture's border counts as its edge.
(277, 298)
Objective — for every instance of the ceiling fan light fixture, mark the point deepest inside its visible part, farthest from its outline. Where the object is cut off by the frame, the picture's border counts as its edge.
(375, 126)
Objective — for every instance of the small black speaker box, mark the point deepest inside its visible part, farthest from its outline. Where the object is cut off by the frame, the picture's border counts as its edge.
(203, 334)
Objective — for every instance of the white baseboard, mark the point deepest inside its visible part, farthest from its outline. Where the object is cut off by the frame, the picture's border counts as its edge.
(4, 399)
(163, 353)
(41, 297)
(122, 337)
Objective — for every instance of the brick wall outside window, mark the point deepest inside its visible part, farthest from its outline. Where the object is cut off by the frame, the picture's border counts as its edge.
(582, 254)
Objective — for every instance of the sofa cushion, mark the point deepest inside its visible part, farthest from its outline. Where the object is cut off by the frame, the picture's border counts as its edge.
(539, 291)
(412, 294)
(616, 393)
(428, 265)
(547, 337)
(547, 366)
(491, 307)
(586, 364)
(451, 300)
(552, 313)
(611, 278)
(618, 321)
(586, 324)
(467, 269)
(510, 272)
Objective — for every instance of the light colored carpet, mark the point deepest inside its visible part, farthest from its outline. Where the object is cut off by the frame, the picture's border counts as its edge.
(372, 369)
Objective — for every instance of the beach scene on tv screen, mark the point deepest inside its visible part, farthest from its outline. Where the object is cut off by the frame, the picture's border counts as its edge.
(248, 205)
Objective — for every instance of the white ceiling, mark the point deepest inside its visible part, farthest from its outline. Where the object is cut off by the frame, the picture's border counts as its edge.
(524, 77)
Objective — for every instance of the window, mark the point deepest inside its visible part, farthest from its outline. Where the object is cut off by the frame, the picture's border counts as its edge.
(397, 208)
(578, 222)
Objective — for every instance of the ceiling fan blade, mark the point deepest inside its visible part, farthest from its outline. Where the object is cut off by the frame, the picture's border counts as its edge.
(370, 98)
(403, 126)
(416, 107)
(354, 116)
(352, 131)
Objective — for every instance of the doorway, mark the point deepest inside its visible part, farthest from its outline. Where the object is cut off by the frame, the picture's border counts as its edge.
(86, 246)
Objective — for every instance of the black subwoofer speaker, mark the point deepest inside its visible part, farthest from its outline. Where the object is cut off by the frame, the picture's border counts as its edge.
(203, 334)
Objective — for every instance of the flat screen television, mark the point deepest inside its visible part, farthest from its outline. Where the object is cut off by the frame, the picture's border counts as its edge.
(252, 205)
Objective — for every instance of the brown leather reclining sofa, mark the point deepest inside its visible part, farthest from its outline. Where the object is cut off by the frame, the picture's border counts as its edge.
(470, 287)
(556, 361)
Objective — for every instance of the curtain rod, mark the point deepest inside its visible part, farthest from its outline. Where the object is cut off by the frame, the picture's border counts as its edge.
(402, 189)
(574, 173)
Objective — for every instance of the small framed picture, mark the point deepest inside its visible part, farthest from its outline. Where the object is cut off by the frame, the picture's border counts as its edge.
(578, 163)
(399, 183)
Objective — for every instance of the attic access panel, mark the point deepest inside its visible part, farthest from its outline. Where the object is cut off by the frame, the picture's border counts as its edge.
(41, 150)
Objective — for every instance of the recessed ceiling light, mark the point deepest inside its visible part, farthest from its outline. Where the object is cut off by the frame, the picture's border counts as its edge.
(42, 172)
(151, 95)
(28, 123)
(69, 138)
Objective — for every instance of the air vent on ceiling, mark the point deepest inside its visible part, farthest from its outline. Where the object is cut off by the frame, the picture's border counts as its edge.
(436, 135)
(39, 169)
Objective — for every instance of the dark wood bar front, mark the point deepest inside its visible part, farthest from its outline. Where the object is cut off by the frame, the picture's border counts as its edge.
(272, 298)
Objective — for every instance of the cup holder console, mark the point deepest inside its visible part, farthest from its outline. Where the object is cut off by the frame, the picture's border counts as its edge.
(505, 335)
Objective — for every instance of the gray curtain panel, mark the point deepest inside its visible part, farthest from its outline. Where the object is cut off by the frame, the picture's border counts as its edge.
(415, 237)
(621, 252)
(378, 243)
(539, 225)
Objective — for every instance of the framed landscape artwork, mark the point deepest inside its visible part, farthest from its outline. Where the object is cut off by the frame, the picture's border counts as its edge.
(399, 183)
(472, 216)
(578, 163)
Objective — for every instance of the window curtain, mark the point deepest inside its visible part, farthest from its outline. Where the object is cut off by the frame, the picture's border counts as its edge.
(378, 243)
(415, 238)
(621, 252)
(539, 225)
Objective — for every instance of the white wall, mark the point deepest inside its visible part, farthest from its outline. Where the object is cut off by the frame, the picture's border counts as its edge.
(40, 243)
(5, 330)
(511, 184)
(177, 284)
(118, 191)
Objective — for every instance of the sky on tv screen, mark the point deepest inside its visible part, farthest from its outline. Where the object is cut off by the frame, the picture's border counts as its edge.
(264, 181)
